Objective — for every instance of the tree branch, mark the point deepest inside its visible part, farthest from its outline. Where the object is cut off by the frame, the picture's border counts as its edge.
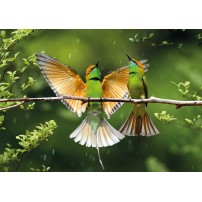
(177, 103)
(12, 106)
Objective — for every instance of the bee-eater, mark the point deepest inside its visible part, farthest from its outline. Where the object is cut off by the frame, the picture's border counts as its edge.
(138, 122)
(94, 131)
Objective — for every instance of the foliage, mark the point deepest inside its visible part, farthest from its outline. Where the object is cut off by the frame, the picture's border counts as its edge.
(164, 117)
(43, 169)
(173, 55)
(154, 165)
(29, 141)
(184, 89)
(14, 83)
(195, 122)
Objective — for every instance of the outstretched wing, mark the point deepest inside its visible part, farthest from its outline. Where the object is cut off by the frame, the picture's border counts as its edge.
(114, 85)
(64, 81)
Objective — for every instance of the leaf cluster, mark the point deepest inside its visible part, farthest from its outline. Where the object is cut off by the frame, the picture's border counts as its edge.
(12, 83)
(27, 142)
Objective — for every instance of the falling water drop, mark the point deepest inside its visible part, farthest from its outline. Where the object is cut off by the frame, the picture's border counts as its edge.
(70, 55)
(114, 42)
(78, 40)
(44, 158)
(53, 151)
(93, 158)
(27, 116)
(14, 120)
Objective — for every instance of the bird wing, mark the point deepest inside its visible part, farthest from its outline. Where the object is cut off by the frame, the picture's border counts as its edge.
(114, 85)
(64, 81)
(145, 87)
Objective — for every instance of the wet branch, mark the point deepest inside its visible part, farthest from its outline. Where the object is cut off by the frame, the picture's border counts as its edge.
(177, 103)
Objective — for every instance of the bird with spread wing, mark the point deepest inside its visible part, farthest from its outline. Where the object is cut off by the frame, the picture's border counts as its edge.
(94, 131)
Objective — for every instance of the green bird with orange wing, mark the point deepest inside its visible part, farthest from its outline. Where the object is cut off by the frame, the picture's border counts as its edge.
(94, 131)
(138, 122)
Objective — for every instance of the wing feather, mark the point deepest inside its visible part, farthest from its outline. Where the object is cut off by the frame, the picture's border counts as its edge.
(114, 85)
(64, 81)
(145, 87)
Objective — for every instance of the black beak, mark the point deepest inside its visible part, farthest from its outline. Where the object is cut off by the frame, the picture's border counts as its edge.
(97, 64)
(128, 57)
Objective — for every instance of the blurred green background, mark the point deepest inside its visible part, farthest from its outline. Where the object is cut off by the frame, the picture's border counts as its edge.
(173, 55)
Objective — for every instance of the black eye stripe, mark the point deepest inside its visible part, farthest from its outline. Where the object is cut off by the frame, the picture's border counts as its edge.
(92, 69)
(136, 63)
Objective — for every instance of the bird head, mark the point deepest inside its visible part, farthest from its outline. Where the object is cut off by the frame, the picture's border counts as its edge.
(137, 66)
(93, 72)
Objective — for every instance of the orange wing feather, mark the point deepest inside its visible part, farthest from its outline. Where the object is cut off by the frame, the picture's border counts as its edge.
(115, 86)
(64, 81)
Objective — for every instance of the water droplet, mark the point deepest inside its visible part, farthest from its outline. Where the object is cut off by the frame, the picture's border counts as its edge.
(120, 61)
(86, 154)
(44, 158)
(192, 167)
(93, 159)
(70, 55)
(30, 162)
(53, 151)
(76, 50)
(114, 42)
(14, 120)
(78, 40)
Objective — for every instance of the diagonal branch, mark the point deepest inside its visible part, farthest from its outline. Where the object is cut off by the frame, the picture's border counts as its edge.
(12, 106)
(177, 103)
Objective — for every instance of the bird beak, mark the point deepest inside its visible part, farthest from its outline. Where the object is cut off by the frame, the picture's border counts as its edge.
(128, 57)
(97, 64)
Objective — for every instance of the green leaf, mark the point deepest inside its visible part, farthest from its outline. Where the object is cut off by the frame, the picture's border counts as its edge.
(189, 121)
(3, 34)
(131, 39)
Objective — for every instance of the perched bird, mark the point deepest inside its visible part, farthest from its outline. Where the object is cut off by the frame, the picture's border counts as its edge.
(94, 131)
(138, 122)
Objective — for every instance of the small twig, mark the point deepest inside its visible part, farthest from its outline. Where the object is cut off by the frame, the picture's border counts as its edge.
(12, 106)
(177, 103)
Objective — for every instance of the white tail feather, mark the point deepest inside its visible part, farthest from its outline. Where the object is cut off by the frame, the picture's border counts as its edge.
(105, 135)
(136, 125)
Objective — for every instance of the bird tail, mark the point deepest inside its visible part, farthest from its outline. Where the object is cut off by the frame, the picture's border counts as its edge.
(138, 124)
(104, 136)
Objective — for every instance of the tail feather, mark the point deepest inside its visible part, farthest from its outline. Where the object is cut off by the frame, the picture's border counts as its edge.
(105, 135)
(136, 125)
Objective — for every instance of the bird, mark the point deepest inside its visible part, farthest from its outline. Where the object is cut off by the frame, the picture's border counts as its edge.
(138, 122)
(94, 131)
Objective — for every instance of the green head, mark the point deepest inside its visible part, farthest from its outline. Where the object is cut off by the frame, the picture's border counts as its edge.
(135, 66)
(93, 72)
